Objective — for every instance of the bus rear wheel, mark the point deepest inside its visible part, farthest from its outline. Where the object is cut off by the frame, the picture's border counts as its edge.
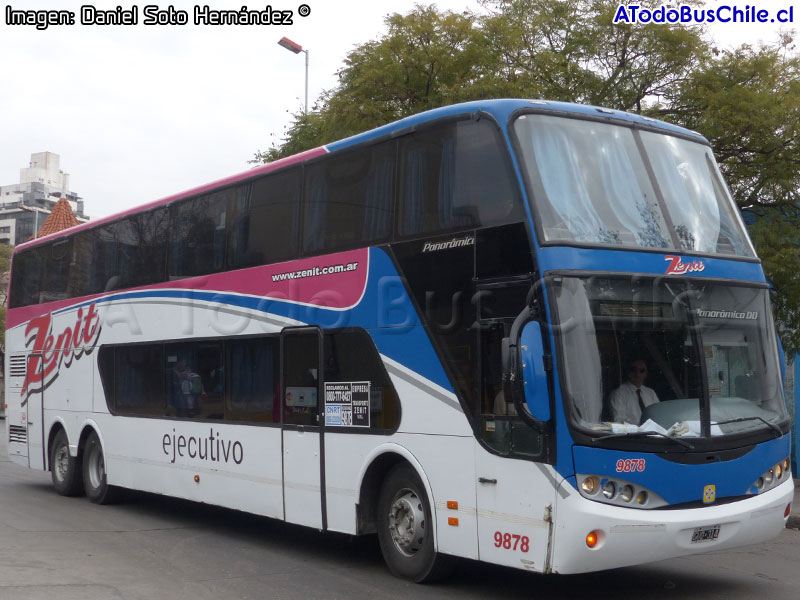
(65, 470)
(94, 474)
(405, 528)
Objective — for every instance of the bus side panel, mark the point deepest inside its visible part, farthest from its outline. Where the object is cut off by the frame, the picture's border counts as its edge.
(227, 465)
(515, 500)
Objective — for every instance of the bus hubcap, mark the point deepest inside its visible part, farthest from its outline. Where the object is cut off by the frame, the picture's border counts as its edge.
(407, 522)
(97, 468)
(62, 462)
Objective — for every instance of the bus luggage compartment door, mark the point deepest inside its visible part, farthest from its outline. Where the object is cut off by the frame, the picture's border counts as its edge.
(303, 481)
(33, 409)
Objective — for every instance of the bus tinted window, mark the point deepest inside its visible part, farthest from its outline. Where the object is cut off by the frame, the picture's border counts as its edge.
(137, 386)
(456, 176)
(348, 200)
(142, 246)
(27, 272)
(351, 356)
(57, 270)
(195, 379)
(97, 252)
(197, 244)
(254, 378)
(266, 221)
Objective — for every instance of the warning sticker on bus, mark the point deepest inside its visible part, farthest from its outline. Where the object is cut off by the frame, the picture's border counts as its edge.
(347, 404)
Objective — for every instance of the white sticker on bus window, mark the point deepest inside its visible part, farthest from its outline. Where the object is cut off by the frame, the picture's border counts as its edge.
(347, 403)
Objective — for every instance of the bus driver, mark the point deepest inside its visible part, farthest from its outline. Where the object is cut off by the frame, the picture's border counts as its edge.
(629, 400)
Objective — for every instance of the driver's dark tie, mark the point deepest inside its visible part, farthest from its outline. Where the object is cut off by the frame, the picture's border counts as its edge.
(641, 402)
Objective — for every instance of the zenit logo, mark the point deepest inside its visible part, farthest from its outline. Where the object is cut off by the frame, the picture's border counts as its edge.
(49, 351)
(454, 243)
(678, 267)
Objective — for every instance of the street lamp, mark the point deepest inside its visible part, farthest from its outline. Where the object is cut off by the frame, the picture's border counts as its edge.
(297, 49)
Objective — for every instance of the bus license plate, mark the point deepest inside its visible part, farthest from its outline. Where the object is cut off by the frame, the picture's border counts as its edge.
(705, 534)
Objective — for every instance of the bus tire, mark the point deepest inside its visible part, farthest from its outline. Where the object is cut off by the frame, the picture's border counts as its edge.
(405, 531)
(65, 470)
(94, 474)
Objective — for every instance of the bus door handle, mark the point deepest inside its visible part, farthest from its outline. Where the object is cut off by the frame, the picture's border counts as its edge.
(485, 480)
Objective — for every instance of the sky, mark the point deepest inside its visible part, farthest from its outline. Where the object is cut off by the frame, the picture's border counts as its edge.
(138, 113)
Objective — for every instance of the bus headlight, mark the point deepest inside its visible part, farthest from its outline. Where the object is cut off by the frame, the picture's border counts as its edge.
(773, 476)
(610, 490)
(626, 493)
(590, 485)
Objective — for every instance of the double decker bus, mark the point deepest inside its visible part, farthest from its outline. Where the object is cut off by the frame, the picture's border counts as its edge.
(530, 333)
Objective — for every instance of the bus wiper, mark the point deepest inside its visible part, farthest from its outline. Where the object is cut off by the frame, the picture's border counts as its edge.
(775, 428)
(678, 441)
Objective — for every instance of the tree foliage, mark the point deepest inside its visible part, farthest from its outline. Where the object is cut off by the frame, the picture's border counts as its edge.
(5, 262)
(746, 101)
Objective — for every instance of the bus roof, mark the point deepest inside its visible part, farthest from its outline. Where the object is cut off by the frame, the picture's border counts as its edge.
(499, 109)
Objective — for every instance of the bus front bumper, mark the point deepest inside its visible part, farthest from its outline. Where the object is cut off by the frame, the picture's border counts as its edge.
(627, 536)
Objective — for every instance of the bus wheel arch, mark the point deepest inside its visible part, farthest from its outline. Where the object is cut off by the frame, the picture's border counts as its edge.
(94, 472)
(406, 527)
(395, 484)
(66, 471)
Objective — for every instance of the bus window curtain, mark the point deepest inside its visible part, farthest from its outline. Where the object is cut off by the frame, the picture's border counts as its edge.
(563, 183)
(316, 210)
(378, 203)
(414, 191)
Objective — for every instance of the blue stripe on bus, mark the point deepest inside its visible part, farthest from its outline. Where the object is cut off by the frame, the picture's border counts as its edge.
(560, 258)
(385, 310)
(678, 483)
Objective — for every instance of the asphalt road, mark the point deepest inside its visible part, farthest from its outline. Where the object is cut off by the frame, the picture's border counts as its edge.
(58, 548)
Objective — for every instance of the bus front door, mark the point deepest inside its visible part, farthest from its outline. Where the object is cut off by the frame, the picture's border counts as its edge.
(303, 478)
(33, 410)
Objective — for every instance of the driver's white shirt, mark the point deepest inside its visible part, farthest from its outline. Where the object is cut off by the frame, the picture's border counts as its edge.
(625, 403)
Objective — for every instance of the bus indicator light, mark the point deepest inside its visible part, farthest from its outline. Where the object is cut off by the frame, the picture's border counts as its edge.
(452, 505)
(197, 478)
(592, 538)
(452, 521)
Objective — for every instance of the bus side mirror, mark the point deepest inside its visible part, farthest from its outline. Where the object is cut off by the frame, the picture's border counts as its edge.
(534, 376)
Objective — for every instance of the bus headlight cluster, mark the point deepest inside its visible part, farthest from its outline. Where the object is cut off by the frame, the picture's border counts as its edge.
(773, 476)
(618, 492)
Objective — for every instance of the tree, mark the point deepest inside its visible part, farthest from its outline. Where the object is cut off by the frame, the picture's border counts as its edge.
(5, 263)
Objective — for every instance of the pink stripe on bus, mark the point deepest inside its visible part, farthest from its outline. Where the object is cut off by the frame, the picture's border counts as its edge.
(334, 281)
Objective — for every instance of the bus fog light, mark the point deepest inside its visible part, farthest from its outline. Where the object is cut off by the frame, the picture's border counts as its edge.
(769, 476)
(641, 498)
(626, 493)
(609, 489)
(590, 485)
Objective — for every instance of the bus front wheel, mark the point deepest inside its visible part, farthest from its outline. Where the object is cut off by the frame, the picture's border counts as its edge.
(65, 470)
(94, 474)
(405, 528)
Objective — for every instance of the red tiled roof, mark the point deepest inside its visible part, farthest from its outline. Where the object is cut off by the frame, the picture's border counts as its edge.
(60, 218)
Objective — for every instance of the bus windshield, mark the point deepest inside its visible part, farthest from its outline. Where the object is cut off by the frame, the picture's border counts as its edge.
(597, 183)
(681, 358)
